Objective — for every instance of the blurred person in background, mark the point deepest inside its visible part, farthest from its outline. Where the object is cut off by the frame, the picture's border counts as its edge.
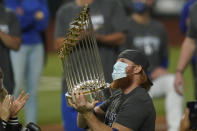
(188, 48)
(149, 36)
(127, 6)
(28, 61)
(108, 19)
(10, 39)
(184, 23)
(9, 108)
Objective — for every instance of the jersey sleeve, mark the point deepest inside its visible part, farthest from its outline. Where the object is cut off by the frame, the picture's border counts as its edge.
(3, 125)
(14, 125)
(14, 26)
(192, 29)
(183, 17)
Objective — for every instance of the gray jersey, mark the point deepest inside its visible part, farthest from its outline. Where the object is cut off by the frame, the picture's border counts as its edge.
(107, 17)
(192, 30)
(8, 24)
(134, 110)
(150, 39)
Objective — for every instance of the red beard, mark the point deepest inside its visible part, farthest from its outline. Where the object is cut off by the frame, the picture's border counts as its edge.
(122, 83)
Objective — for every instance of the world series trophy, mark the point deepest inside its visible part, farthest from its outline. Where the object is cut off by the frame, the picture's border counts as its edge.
(81, 61)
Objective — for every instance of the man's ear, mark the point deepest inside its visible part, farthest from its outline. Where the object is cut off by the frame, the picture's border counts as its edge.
(137, 69)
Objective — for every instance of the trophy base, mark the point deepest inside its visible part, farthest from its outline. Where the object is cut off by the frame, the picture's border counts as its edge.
(100, 94)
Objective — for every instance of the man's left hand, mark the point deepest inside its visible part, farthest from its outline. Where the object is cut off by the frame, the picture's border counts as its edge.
(18, 104)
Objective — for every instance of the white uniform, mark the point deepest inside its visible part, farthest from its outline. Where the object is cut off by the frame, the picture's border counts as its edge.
(164, 86)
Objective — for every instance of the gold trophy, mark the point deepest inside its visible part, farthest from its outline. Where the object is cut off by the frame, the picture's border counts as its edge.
(81, 61)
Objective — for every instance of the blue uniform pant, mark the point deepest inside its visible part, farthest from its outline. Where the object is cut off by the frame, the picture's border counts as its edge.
(69, 116)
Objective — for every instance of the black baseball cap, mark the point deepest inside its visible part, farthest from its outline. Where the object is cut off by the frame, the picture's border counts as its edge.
(138, 58)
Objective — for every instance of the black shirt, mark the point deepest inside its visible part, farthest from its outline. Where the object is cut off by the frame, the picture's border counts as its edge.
(9, 25)
(150, 39)
(134, 110)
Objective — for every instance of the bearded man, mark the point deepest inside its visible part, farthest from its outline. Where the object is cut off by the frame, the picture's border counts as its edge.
(131, 108)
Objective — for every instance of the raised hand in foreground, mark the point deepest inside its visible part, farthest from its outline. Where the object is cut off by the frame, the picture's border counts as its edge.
(18, 104)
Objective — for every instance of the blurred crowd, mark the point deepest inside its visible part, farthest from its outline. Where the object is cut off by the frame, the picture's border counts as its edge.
(118, 25)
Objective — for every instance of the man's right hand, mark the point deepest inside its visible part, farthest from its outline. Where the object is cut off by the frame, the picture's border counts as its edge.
(179, 83)
(5, 108)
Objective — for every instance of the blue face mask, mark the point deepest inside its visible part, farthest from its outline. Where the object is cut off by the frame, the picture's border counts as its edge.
(139, 7)
(119, 70)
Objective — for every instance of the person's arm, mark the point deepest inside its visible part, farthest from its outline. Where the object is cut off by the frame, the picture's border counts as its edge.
(97, 111)
(117, 38)
(187, 51)
(9, 41)
(81, 121)
(12, 39)
(96, 125)
(85, 108)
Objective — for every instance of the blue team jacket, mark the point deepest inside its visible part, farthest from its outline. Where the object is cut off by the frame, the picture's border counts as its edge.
(31, 28)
